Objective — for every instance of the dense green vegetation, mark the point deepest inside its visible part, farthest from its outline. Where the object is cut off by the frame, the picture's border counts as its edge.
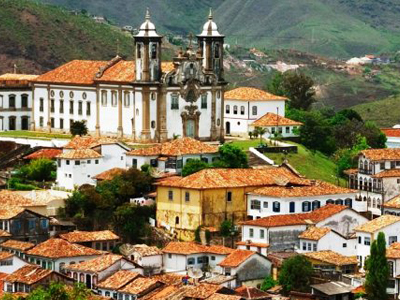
(295, 274)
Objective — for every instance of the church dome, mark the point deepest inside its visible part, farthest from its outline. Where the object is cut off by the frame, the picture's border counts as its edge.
(210, 28)
(147, 29)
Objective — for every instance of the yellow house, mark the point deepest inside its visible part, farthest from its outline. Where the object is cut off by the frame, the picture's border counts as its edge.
(210, 196)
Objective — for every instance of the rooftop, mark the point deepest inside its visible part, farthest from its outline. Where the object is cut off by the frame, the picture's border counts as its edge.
(5, 255)
(201, 291)
(332, 258)
(314, 233)
(378, 223)
(248, 292)
(97, 264)
(382, 154)
(393, 251)
(89, 236)
(139, 285)
(313, 217)
(56, 248)
(393, 203)
(333, 288)
(236, 258)
(319, 188)
(109, 174)
(391, 132)
(17, 245)
(178, 147)
(218, 296)
(142, 249)
(49, 153)
(388, 173)
(28, 274)
(251, 94)
(118, 280)
(271, 119)
(16, 80)
(230, 178)
(85, 142)
(193, 248)
(79, 154)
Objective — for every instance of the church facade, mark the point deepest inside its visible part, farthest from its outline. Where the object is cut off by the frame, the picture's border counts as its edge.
(147, 99)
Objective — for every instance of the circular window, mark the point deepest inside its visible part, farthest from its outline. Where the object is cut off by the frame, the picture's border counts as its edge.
(238, 123)
(84, 96)
(218, 122)
(71, 94)
(61, 94)
(137, 111)
(153, 124)
(52, 93)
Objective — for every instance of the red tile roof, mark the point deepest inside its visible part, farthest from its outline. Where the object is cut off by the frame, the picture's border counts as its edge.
(332, 257)
(314, 233)
(109, 174)
(118, 280)
(139, 286)
(382, 154)
(5, 255)
(85, 142)
(250, 293)
(28, 274)
(378, 223)
(44, 153)
(388, 174)
(391, 132)
(393, 203)
(17, 245)
(89, 236)
(271, 119)
(313, 217)
(193, 248)
(236, 258)
(251, 244)
(201, 291)
(16, 80)
(97, 264)
(251, 94)
(79, 154)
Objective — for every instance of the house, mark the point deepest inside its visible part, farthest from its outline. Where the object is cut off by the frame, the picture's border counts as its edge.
(368, 232)
(334, 290)
(92, 271)
(244, 105)
(49, 153)
(275, 200)
(172, 156)
(110, 286)
(393, 137)
(277, 259)
(276, 125)
(333, 262)
(55, 254)
(210, 196)
(104, 240)
(109, 174)
(139, 287)
(320, 238)
(148, 257)
(392, 206)
(248, 267)
(281, 232)
(85, 157)
(16, 247)
(58, 226)
(15, 101)
(179, 257)
(393, 257)
(30, 277)
(10, 262)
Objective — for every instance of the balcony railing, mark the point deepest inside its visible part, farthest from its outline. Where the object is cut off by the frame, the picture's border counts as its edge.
(365, 171)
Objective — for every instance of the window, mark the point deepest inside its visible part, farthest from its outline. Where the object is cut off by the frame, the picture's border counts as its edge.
(382, 166)
(216, 50)
(272, 129)
(104, 98)
(242, 110)
(235, 109)
(191, 261)
(41, 121)
(262, 233)
(227, 109)
(309, 246)
(61, 106)
(314, 247)
(52, 122)
(229, 196)
(174, 101)
(276, 206)
(153, 162)
(153, 51)
(11, 101)
(71, 107)
(31, 224)
(88, 111)
(77, 162)
(391, 269)
(138, 51)
(316, 204)
(255, 204)
(367, 241)
(153, 124)
(127, 99)
(251, 232)
(41, 104)
(170, 195)
(114, 98)
(287, 129)
(292, 207)
(254, 110)
(306, 206)
(212, 257)
(304, 246)
(265, 204)
(80, 108)
(204, 101)
(344, 245)
(134, 163)
(392, 239)
(24, 101)
(52, 105)
(88, 161)
(200, 260)
(67, 162)
(176, 220)
(58, 165)
(187, 196)
(96, 161)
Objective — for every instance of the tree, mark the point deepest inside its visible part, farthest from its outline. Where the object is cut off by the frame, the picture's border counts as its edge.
(295, 274)
(377, 268)
(268, 283)
(78, 128)
(299, 88)
(227, 229)
(231, 156)
(41, 169)
(260, 131)
(193, 166)
(276, 85)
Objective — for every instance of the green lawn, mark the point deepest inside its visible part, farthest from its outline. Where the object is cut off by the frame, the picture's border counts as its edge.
(34, 134)
(245, 144)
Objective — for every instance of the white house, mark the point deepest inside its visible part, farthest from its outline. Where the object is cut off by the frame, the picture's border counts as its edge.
(244, 105)
(393, 136)
(104, 240)
(9, 262)
(320, 239)
(280, 200)
(18, 248)
(393, 257)
(275, 124)
(368, 232)
(148, 257)
(172, 156)
(85, 157)
(281, 232)
(15, 101)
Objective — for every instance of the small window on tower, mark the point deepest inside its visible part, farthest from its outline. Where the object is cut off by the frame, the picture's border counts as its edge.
(216, 49)
(139, 51)
(154, 51)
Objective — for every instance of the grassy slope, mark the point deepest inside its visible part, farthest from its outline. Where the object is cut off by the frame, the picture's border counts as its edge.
(34, 135)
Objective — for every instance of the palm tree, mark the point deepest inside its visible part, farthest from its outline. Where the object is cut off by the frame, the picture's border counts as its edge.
(260, 132)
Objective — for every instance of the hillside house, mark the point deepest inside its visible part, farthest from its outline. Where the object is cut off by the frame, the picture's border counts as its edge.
(139, 287)
(393, 257)
(110, 286)
(16, 247)
(104, 240)
(332, 262)
(10, 262)
(393, 137)
(276, 125)
(148, 257)
(392, 206)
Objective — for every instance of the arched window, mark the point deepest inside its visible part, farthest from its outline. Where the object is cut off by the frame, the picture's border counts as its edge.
(339, 202)
(153, 124)
(373, 202)
(316, 204)
(365, 184)
(361, 164)
(11, 101)
(227, 109)
(176, 220)
(369, 202)
(254, 110)
(306, 206)
(242, 110)
(348, 202)
(81, 278)
(276, 206)
(216, 50)
(24, 101)
(330, 201)
(153, 51)
(235, 109)
(138, 51)
(365, 165)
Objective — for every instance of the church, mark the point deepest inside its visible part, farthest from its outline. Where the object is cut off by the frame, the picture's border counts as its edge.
(147, 100)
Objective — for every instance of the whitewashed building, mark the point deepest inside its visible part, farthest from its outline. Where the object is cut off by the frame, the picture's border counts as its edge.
(15, 101)
(244, 105)
(10, 262)
(393, 136)
(392, 207)
(276, 125)
(148, 257)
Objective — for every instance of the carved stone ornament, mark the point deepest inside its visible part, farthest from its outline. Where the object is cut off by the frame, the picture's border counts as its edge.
(191, 91)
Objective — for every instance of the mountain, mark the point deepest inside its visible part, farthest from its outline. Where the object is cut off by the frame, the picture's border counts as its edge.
(336, 28)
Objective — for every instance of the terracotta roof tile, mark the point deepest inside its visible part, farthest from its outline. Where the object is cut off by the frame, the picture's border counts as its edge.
(13, 199)
(248, 292)
(79, 154)
(314, 233)
(5, 255)
(271, 119)
(44, 153)
(236, 258)
(118, 280)
(165, 292)
(121, 71)
(56, 248)
(245, 243)
(109, 174)
(89, 236)
(142, 249)
(97, 264)
(4, 233)
(378, 223)
(229, 178)
(10, 212)
(382, 154)
(201, 291)
(251, 94)
(393, 251)
(350, 171)
(17, 245)
(331, 257)
(393, 203)
(217, 296)
(318, 188)
(16, 80)
(313, 217)
(192, 248)
(391, 132)
(139, 286)
(85, 142)
(169, 278)
(28, 274)
(388, 174)
(178, 147)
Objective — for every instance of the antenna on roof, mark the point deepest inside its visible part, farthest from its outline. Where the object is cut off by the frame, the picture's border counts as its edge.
(195, 274)
(15, 68)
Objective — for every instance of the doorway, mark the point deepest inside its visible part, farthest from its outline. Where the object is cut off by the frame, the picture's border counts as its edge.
(228, 128)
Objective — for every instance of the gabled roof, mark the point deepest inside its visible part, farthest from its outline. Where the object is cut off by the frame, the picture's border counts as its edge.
(332, 258)
(378, 223)
(57, 248)
(79, 154)
(139, 285)
(382, 154)
(28, 274)
(388, 174)
(86, 142)
(16, 80)
(393, 251)
(89, 236)
(313, 217)
(236, 258)
(97, 264)
(393, 203)
(109, 174)
(178, 147)
(230, 178)
(118, 280)
(250, 293)
(314, 233)
(186, 248)
(10, 212)
(17, 245)
(251, 94)
(5, 255)
(201, 291)
(218, 296)
(50, 153)
(271, 119)
(142, 249)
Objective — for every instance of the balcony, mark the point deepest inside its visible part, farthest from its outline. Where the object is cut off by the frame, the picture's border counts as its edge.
(365, 171)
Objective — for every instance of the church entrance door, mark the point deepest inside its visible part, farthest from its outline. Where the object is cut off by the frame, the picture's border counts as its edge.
(190, 128)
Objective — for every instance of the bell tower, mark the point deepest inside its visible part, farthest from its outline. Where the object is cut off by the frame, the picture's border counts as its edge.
(211, 44)
(148, 52)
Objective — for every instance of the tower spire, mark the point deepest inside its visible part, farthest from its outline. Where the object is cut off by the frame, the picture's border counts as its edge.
(210, 16)
(147, 14)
